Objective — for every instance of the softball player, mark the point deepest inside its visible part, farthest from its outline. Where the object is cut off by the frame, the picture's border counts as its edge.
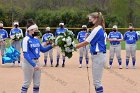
(31, 50)
(83, 50)
(3, 37)
(130, 37)
(59, 30)
(50, 52)
(115, 38)
(16, 43)
(97, 48)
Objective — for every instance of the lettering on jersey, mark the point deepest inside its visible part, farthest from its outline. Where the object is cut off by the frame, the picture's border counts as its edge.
(131, 37)
(35, 45)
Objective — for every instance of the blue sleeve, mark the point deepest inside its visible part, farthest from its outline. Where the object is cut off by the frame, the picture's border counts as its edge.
(125, 36)
(43, 40)
(109, 36)
(6, 34)
(45, 49)
(27, 57)
(11, 32)
(137, 37)
(78, 35)
(56, 34)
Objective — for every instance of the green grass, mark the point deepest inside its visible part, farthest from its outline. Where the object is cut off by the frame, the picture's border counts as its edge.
(122, 44)
(108, 44)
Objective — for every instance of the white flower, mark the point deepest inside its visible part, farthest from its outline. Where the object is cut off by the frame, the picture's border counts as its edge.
(65, 45)
(68, 41)
(56, 41)
(64, 39)
(73, 43)
(68, 50)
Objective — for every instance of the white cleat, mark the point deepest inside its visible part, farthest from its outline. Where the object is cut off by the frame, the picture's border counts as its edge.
(126, 67)
(87, 65)
(120, 66)
(133, 67)
(110, 66)
(80, 66)
(19, 65)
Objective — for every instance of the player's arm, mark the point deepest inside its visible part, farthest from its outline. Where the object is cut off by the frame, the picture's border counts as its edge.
(137, 38)
(45, 49)
(109, 38)
(121, 38)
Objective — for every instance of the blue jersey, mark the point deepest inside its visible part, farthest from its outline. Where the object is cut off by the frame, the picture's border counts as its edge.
(130, 37)
(31, 48)
(3, 34)
(60, 30)
(16, 30)
(115, 35)
(97, 40)
(46, 36)
(82, 36)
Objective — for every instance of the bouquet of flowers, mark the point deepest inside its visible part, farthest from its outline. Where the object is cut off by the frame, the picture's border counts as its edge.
(17, 36)
(50, 39)
(66, 42)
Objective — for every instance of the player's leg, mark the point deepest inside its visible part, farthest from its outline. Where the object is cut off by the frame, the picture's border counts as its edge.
(18, 46)
(81, 51)
(86, 55)
(2, 48)
(127, 55)
(112, 52)
(98, 64)
(118, 54)
(133, 54)
(28, 71)
(45, 58)
(63, 57)
(51, 57)
(58, 56)
(36, 80)
(14, 45)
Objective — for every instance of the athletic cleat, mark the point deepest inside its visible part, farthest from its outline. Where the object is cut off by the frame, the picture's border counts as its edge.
(44, 65)
(133, 67)
(87, 65)
(63, 65)
(120, 66)
(19, 65)
(126, 67)
(57, 65)
(110, 66)
(51, 65)
(80, 66)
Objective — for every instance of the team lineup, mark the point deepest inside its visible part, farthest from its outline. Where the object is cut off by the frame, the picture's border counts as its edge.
(95, 40)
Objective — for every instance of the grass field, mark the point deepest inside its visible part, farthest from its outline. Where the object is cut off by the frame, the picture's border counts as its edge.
(108, 44)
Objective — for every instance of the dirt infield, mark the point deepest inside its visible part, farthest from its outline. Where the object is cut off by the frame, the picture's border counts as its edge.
(72, 79)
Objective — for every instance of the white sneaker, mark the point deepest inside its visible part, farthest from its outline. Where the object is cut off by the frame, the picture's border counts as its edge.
(80, 66)
(126, 67)
(133, 67)
(19, 65)
(120, 66)
(110, 66)
(87, 65)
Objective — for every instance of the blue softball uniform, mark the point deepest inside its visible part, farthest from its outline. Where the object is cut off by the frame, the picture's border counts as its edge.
(45, 36)
(115, 35)
(98, 54)
(130, 37)
(97, 40)
(3, 34)
(60, 30)
(31, 48)
(16, 30)
(82, 36)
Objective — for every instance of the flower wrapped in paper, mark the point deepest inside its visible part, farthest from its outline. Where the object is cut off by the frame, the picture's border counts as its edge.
(17, 36)
(11, 55)
(66, 42)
